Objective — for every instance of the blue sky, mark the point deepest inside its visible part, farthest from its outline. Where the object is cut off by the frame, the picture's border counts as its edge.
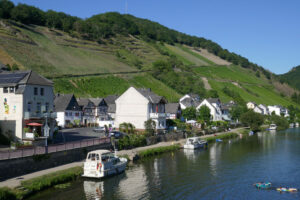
(267, 32)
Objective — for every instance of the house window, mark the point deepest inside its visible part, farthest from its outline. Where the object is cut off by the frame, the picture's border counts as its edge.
(66, 113)
(11, 90)
(70, 113)
(47, 107)
(77, 114)
(29, 106)
(35, 91)
(38, 107)
(42, 92)
(5, 90)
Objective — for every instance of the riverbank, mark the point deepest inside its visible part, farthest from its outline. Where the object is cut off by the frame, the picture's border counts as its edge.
(133, 154)
(20, 187)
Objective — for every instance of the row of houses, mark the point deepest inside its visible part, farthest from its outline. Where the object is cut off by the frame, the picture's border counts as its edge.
(218, 111)
(268, 110)
(29, 105)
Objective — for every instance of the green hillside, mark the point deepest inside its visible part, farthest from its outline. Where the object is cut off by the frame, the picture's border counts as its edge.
(108, 53)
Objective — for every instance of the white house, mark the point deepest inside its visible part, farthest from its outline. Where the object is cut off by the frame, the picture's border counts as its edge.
(257, 109)
(67, 109)
(251, 105)
(27, 101)
(264, 108)
(276, 109)
(214, 105)
(189, 100)
(136, 106)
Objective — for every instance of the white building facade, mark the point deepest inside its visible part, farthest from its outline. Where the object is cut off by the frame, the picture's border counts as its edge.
(136, 106)
(27, 100)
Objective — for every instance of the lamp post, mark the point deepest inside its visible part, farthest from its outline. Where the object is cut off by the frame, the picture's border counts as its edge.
(46, 132)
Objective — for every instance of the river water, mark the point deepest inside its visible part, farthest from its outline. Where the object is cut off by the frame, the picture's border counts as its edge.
(225, 170)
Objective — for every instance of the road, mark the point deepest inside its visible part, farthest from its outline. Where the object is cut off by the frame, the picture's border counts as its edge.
(76, 134)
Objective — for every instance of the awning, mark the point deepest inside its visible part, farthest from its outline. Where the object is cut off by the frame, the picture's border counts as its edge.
(34, 124)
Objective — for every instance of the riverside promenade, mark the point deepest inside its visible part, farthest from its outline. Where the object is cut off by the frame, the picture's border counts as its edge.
(15, 182)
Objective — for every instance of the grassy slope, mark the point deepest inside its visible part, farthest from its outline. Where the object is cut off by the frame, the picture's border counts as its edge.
(55, 53)
(250, 87)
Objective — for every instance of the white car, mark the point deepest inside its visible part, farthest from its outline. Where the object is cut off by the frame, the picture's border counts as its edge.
(99, 129)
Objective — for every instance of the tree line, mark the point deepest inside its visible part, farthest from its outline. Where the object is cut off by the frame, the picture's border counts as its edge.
(106, 25)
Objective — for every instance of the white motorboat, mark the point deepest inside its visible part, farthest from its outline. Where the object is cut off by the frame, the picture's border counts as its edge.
(102, 163)
(272, 127)
(297, 124)
(195, 143)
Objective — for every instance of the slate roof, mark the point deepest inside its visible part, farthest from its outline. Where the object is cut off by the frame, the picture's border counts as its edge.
(189, 102)
(8, 78)
(111, 99)
(96, 101)
(64, 102)
(111, 108)
(84, 102)
(213, 100)
(172, 108)
(152, 97)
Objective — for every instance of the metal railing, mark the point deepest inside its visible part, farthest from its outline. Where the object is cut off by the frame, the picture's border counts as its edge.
(39, 150)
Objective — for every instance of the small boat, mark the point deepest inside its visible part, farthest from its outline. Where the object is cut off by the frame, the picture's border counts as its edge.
(292, 125)
(102, 163)
(272, 127)
(195, 143)
(283, 189)
(263, 185)
(219, 140)
(296, 124)
(251, 133)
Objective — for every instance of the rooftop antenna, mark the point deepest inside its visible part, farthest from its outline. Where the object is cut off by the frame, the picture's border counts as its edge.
(126, 6)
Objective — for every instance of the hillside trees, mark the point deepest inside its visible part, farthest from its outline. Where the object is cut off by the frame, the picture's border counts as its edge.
(28, 15)
(5, 8)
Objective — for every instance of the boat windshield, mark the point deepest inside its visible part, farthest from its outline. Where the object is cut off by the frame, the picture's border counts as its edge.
(93, 156)
(107, 156)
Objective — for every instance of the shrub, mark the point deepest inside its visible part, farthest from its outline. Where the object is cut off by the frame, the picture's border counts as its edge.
(158, 150)
(131, 141)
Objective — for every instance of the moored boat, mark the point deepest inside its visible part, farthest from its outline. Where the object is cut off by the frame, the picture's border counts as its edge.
(102, 163)
(272, 127)
(195, 143)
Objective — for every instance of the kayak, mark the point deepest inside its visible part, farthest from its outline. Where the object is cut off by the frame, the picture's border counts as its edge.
(263, 185)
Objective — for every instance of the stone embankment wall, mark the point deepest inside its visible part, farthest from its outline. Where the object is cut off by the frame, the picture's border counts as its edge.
(20, 166)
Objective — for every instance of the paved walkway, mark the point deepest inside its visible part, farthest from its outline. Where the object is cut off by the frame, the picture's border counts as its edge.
(15, 182)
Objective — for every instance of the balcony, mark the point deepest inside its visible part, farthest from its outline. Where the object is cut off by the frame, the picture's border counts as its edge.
(36, 115)
(157, 115)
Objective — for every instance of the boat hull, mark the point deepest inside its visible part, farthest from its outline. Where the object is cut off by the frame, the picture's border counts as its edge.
(116, 169)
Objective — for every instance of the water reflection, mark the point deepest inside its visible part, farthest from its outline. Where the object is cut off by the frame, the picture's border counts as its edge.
(93, 190)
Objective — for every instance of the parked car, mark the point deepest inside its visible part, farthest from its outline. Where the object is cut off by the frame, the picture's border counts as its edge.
(99, 129)
(117, 134)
